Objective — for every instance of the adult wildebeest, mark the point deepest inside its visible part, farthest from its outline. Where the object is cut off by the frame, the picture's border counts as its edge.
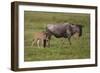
(65, 30)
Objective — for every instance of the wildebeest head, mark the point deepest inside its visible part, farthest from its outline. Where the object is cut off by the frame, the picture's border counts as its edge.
(76, 28)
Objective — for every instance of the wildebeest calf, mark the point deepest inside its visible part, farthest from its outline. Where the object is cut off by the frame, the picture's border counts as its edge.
(39, 39)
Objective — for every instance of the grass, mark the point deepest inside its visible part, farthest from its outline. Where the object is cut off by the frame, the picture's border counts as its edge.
(36, 21)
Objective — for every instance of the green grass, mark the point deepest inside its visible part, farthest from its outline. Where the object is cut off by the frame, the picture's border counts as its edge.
(36, 21)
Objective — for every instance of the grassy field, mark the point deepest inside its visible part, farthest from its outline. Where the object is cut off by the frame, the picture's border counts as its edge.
(36, 21)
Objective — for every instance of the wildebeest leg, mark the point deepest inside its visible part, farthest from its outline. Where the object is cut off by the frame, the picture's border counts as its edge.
(48, 43)
(48, 37)
(63, 42)
(68, 32)
(44, 43)
(69, 40)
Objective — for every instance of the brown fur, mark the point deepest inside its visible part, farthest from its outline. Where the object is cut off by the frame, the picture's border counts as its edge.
(39, 38)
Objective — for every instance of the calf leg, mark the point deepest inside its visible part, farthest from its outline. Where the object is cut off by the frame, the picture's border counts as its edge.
(38, 43)
(33, 42)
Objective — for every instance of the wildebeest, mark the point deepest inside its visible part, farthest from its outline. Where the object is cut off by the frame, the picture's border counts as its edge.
(39, 39)
(65, 30)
